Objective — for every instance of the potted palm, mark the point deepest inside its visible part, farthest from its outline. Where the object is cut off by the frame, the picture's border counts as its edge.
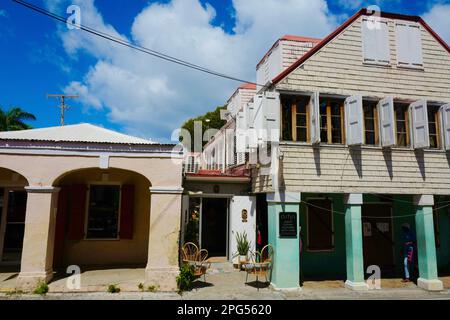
(243, 246)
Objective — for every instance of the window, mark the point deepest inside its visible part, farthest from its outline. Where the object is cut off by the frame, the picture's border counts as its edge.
(295, 115)
(370, 123)
(375, 41)
(433, 127)
(402, 124)
(320, 225)
(331, 121)
(409, 44)
(286, 116)
(300, 114)
(103, 214)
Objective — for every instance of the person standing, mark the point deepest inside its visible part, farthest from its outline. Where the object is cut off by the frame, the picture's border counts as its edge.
(409, 241)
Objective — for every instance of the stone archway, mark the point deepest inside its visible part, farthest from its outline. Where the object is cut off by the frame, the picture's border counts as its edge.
(102, 218)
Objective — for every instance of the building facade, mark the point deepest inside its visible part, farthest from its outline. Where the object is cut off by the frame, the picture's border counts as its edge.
(90, 197)
(347, 144)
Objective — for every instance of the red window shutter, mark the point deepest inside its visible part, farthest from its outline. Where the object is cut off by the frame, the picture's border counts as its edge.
(60, 225)
(77, 211)
(126, 212)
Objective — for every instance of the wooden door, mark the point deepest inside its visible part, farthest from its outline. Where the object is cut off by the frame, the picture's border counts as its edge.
(378, 245)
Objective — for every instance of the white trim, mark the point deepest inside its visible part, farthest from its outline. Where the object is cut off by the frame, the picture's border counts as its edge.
(284, 197)
(218, 179)
(166, 190)
(51, 152)
(423, 200)
(192, 194)
(42, 189)
(353, 199)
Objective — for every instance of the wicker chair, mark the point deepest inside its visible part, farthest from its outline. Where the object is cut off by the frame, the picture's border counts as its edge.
(202, 265)
(196, 259)
(189, 252)
(260, 264)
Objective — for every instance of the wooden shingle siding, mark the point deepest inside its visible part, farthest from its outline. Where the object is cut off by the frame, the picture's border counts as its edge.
(293, 50)
(338, 169)
(338, 69)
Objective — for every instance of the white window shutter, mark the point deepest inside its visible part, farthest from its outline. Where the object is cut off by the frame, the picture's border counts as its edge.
(271, 118)
(445, 123)
(419, 124)
(409, 44)
(257, 112)
(387, 122)
(314, 118)
(375, 41)
(241, 140)
(249, 109)
(354, 120)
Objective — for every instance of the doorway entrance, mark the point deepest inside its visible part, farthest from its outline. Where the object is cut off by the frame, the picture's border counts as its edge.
(12, 221)
(378, 244)
(214, 226)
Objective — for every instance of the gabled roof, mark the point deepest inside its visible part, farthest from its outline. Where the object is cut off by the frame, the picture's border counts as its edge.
(84, 133)
(248, 86)
(244, 86)
(288, 37)
(347, 23)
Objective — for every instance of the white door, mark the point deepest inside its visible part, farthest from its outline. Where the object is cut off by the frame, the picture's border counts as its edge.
(238, 224)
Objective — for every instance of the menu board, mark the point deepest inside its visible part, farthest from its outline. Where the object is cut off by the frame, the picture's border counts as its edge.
(288, 225)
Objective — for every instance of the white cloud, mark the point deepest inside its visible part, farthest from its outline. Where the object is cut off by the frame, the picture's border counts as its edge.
(438, 19)
(350, 4)
(145, 94)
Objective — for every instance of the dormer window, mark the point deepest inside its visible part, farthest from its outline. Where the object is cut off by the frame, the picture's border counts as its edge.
(375, 41)
(409, 44)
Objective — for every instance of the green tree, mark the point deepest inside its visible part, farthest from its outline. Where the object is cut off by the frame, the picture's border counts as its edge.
(214, 122)
(14, 119)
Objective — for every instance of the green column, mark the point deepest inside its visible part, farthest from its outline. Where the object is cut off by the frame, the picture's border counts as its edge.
(286, 262)
(426, 247)
(353, 241)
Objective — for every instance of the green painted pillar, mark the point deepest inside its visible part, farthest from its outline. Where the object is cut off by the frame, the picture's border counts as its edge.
(426, 246)
(353, 241)
(286, 260)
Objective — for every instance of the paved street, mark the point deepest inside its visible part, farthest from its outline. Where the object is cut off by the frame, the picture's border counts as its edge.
(223, 283)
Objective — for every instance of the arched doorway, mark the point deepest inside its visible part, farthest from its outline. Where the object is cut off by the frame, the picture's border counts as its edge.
(102, 219)
(13, 201)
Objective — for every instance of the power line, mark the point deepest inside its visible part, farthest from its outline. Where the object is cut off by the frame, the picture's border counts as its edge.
(372, 217)
(130, 44)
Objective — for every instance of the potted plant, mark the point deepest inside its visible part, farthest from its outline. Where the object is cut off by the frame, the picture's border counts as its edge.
(243, 246)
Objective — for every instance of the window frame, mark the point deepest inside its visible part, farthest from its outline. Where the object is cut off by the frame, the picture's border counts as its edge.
(333, 238)
(119, 215)
(407, 123)
(295, 126)
(438, 124)
(329, 116)
(376, 124)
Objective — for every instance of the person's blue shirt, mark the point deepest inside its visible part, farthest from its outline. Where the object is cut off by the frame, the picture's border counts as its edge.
(409, 238)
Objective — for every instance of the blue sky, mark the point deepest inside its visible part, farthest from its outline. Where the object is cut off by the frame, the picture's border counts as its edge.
(137, 94)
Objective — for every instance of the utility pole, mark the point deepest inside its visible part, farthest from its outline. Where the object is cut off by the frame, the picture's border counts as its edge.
(62, 99)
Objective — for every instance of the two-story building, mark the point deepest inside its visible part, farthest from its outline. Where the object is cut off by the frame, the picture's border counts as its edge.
(345, 145)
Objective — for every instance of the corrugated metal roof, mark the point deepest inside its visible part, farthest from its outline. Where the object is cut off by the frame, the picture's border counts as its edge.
(84, 132)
